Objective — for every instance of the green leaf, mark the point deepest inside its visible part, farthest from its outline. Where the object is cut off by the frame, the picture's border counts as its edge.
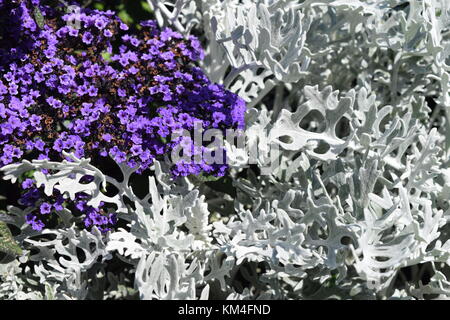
(38, 17)
(124, 15)
(99, 6)
(202, 178)
(146, 6)
(163, 140)
(7, 243)
(106, 56)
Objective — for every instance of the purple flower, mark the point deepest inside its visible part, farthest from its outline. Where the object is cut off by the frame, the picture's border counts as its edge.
(73, 32)
(135, 42)
(46, 69)
(107, 137)
(39, 77)
(45, 208)
(87, 37)
(92, 91)
(136, 150)
(123, 26)
(100, 23)
(120, 157)
(112, 218)
(35, 223)
(39, 145)
(27, 183)
(167, 55)
(121, 92)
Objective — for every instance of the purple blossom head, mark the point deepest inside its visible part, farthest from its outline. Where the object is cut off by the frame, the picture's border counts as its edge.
(27, 183)
(87, 38)
(45, 208)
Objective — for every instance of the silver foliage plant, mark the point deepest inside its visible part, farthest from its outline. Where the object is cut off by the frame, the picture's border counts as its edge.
(353, 94)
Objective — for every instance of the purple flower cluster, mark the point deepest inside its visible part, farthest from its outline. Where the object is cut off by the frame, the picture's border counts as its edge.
(101, 90)
(45, 207)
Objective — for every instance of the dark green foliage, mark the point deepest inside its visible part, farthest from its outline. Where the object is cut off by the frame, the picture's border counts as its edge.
(7, 243)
